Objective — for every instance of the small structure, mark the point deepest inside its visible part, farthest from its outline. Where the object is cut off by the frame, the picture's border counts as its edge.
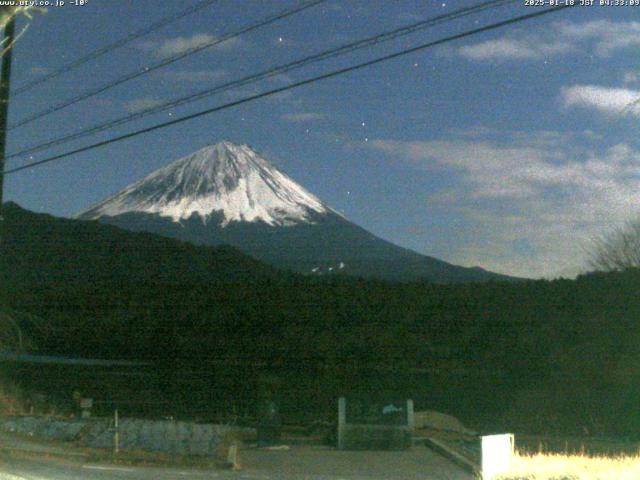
(497, 452)
(375, 425)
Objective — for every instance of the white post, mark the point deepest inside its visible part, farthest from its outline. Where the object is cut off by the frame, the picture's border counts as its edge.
(342, 420)
(116, 433)
(411, 421)
(497, 451)
(232, 456)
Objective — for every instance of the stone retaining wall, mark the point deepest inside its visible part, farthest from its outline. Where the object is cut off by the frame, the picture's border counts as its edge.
(168, 436)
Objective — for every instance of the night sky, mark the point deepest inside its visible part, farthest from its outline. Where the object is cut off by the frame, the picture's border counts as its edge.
(509, 150)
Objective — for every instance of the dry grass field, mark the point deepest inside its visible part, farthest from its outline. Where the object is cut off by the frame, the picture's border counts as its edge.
(573, 467)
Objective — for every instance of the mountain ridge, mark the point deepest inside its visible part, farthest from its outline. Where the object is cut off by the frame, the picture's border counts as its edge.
(228, 194)
(227, 178)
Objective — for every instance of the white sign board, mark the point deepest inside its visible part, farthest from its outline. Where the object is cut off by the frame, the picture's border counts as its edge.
(497, 451)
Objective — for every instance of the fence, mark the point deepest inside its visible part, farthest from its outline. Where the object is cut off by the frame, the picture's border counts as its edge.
(386, 425)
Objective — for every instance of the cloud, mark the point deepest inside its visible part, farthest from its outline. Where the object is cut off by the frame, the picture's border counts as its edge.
(140, 104)
(551, 193)
(304, 116)
(178, 45)
(611, 101)
(195, 76)
(605, 36)
(511, 49)
(601, 37)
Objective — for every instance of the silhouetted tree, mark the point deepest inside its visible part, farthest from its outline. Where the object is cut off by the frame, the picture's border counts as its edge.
(618, 249)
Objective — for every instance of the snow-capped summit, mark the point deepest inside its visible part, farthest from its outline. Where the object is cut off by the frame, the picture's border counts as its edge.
(226, 194)
(225, 178)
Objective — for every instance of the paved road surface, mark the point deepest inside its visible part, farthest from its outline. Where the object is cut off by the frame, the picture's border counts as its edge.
(297, 463)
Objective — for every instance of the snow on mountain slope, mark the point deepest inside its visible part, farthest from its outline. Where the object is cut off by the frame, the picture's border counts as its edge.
(223, 178)
(226, 194)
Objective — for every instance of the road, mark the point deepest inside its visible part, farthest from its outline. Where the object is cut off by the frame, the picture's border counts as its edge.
(296, 463)
(23, 469)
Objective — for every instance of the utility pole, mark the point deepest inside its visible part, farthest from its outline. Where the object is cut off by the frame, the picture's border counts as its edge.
(5, 84)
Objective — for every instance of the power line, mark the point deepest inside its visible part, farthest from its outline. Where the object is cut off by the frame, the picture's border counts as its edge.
(167, 61)
(113, 46)
(271, 72)
(275, 91)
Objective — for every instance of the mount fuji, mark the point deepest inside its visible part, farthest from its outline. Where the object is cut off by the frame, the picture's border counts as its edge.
(227, 194)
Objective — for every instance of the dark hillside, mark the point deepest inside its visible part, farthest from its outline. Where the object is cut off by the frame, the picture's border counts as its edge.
(537, 356)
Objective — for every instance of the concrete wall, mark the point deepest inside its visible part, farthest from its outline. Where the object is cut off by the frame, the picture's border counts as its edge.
(167, 436)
